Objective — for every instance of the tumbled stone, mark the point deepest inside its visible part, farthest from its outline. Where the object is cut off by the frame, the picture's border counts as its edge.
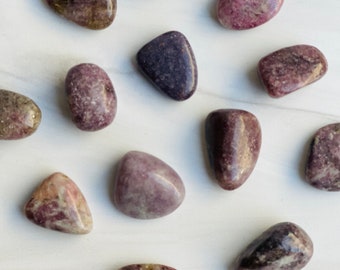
(283, 246)
(58, 204)
(245, 14)
(323, 164)
(147, 267)
(146, 187)
(19, 116)
(291, 68)
(92, 14)
(91, 97)
(169, 62)
(233, 139)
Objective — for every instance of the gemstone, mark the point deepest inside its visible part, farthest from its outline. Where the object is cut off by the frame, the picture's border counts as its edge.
(169, 62)
(146, 187)
(233, 139)
(283, 246)
(323, 165)
(147, 267)
(245, 14)
(91, 97)
(291, 68)
(58, 204)
(92, 14)
(19, 116)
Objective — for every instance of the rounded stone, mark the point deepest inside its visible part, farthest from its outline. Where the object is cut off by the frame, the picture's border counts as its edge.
(147, 267)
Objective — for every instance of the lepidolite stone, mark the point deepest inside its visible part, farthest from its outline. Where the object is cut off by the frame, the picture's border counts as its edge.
(147, 267)
(245, 14)
(233, 140)
(291, 68)
(92, 14)
(19, 116)
(323, 165)
(91, 97)
(146, 187)
(169, 62)
(283, 246)
(58, 204)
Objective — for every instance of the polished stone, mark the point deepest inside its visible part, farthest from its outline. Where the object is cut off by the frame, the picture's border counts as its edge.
(147, 267)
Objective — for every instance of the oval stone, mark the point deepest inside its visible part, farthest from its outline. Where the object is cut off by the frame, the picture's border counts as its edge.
(233, 139)
(91, 97)
(19, 115)
(281, 247)
(244, 14)
(92, 14)
(291, 68)
(146, 267)
(146, 187)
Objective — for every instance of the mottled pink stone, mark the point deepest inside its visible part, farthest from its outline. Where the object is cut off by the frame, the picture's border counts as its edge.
(146, 267)
(245, 14)
(291, 68)
(146, 187)
(58, 204)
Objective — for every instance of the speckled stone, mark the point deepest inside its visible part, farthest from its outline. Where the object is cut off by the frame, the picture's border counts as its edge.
(289, 69)
(283, 246)
(91, 97)
(245, 14)
(19, 116)
(233, 139)
(92, 14)
(146, 187)
(147, 267)
(323, 165)
(169, 62)
(59, 205)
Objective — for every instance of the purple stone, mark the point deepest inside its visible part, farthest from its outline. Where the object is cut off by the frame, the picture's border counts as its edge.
(245, 14)
(233, 140)
(147, 267)
(291, 68)
(91, 97)
(168, 61)
(283, 246)
(323, 165)
(146, 187)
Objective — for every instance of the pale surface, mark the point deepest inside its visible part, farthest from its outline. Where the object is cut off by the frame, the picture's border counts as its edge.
(212, 225)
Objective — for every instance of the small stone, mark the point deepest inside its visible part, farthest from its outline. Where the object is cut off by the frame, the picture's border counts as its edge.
(59, 205)
(146, 187)
(233, 140)
(245, 14)
(289, 69)
(323, 165)
(91, 97)
(168, 61)
(92, 14)
(19, 116)
(283, 246)
(147, 267)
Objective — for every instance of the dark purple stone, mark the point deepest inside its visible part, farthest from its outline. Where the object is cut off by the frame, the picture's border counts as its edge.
(233, 140)
(168, 61)
(283, 246)
(323, 165)
(147, 267)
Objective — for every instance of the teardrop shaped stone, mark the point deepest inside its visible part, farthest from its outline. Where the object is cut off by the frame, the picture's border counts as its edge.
(323, 165)
(245, 14)
(169, 62)
(147, 267)
(92, 14)
(281, 247)
(146, 187)
(233, 140)
(291, 68)
(91, 97)
(19, 116)
(58, 204)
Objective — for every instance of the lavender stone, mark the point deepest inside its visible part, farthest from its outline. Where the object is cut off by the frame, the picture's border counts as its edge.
(291, 68)
(91, 97)
(233, 140)
(283, 246)
(323, 165)
(146, 187)
(147, 267)
(168, 61)
(245, 14)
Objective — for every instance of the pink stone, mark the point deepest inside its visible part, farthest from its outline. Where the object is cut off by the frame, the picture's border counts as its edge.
(58, 204)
